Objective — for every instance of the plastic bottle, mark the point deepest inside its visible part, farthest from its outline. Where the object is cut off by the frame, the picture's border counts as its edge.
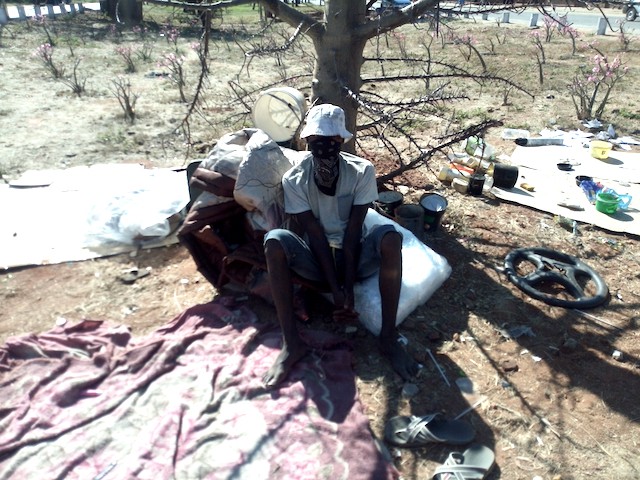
(458, 157)
(462, 168)
(473, 163)
(447, 174)
(538, 142)
(467, 161)
(477, 147)
(488, 183)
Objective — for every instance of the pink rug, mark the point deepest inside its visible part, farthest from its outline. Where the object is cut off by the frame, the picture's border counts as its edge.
(186, 402)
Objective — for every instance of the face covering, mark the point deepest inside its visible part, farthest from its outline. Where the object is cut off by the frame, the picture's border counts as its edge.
(325, 152)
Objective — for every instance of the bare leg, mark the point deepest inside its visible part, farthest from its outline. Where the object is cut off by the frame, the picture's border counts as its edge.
(293, 349)
(390, 282)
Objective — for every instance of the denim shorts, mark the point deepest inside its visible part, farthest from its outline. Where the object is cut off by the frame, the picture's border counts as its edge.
(302, 261)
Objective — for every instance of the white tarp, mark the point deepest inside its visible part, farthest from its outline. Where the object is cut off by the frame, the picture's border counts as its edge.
(538, 167)
(55, 216)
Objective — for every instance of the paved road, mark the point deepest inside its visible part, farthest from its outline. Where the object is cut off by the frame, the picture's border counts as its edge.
(12, 12)
(581, 19)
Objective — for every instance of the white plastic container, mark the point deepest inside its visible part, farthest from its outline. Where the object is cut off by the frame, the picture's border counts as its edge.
(488, 184)
(279, 112)
(460, 185)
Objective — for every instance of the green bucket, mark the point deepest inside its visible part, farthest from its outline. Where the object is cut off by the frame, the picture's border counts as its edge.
(607, 203)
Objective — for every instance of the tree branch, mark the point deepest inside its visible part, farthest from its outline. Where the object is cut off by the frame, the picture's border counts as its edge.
(294, 18)
(450, 140)
(471, 76)
(394, 19)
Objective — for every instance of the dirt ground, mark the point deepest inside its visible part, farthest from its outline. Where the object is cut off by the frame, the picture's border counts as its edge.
(552, 403)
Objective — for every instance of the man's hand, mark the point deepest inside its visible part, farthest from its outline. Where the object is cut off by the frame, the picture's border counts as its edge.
(345, 315)
(344, 304)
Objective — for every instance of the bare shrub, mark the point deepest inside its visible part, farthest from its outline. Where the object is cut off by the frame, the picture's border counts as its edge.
(121, 88)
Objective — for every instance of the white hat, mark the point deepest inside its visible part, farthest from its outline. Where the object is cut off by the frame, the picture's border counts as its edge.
(325, 120)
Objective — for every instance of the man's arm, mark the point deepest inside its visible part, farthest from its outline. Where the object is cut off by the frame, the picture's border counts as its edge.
(212, 182)
(350, 245)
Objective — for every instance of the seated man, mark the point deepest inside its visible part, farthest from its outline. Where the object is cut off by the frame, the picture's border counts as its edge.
(328, 194)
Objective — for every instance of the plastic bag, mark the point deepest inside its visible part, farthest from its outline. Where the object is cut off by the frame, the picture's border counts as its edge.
(138, 208)
(224, 158)
(259, 183)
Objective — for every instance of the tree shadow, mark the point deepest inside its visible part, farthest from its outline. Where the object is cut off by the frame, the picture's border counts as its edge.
(573, 347)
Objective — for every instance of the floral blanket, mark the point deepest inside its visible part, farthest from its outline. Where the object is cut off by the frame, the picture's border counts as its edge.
(90, 401)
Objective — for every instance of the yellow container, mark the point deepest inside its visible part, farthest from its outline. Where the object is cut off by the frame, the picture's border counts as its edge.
(600, 149)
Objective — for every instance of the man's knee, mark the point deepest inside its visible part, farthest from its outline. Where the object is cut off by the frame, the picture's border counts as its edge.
(273, 250)
(391, 243)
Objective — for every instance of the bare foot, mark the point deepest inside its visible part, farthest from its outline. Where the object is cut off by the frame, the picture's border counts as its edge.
(287, 358)
(403, 364)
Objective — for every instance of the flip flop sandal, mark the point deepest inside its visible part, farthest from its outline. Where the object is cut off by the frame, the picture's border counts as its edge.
(412, 431)
(474, 464)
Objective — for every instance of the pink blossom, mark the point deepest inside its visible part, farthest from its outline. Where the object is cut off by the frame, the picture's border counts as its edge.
(44, 51)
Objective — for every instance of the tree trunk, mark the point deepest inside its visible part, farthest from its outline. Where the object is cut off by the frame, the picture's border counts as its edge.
(128, 12)
(339, 41)
(339, 59)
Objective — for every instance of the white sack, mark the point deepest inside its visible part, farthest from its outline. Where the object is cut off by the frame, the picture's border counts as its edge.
(423, 272)
(225, 158)
(259, 183)
(133, 208)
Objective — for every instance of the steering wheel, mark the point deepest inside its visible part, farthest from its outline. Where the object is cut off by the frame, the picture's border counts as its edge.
(559, 268)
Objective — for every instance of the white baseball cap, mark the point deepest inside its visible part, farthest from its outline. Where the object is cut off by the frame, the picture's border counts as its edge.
(325, 120)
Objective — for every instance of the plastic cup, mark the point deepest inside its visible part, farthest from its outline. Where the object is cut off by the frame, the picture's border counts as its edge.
(388, 201)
